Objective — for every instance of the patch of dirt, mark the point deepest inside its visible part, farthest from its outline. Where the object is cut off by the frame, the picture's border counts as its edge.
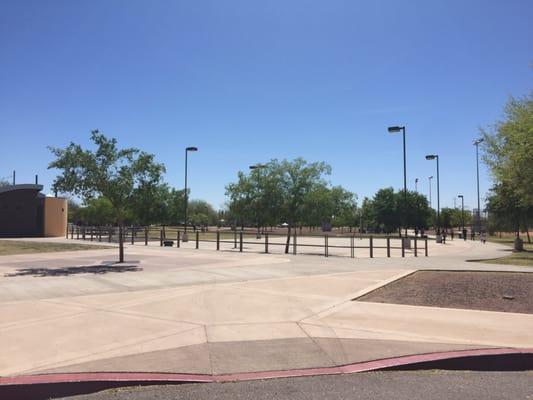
(490, 291)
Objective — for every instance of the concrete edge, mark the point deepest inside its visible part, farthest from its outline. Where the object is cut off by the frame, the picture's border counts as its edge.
(155, 377)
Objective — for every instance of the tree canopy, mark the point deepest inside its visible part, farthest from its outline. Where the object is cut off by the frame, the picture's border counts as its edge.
(115, 174)
(508, 152)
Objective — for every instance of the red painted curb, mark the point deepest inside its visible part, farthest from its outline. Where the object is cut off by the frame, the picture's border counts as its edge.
(149, 377)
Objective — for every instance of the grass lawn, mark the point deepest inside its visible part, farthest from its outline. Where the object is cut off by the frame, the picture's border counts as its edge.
(10, 247)
(524, 258)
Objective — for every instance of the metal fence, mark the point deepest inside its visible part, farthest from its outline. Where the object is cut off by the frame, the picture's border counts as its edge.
(353, 245)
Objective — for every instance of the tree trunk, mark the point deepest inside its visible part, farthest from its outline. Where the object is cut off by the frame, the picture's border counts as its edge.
(288, 239)
(120, 243)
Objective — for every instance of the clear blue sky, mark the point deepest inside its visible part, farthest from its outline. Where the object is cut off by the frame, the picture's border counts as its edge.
(247, 81)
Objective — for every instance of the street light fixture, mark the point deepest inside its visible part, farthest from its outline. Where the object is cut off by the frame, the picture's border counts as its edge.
(462, 214)
(185, 238)
(416, 184)
(476, 143)
(257, 167)
(396, 129)
(436, 157)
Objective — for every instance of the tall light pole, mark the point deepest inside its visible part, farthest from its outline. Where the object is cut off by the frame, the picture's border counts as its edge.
(476, 143)
(185, 238)
(257, 167)
(462, 214)
(433, 157)
(396, 129)
(429, 179)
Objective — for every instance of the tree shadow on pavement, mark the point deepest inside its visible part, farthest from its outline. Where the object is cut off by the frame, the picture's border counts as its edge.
(82, 269)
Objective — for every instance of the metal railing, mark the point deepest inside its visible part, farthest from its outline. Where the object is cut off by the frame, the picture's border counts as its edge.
(355, 245)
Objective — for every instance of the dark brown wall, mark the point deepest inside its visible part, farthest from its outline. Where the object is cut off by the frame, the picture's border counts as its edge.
(21, 213)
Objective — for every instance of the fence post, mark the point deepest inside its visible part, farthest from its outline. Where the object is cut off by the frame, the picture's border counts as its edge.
(109, 232)
(352, 249)
(99, 233)
(72, 232)
(388, 246)
(266, 243)
(218, 240)
(161, 237)
(371, 246)
(426, 246)
(326, 253)
(66, 236)
(197, 239)
(92, 233)
(294, 244)
(178, 239)
(235, 238)
(133, 235)
(403, 247)
(77, 232)
(240, 245)
(416, 247)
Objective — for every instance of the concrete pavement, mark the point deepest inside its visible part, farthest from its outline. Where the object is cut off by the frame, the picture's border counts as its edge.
(202, 311)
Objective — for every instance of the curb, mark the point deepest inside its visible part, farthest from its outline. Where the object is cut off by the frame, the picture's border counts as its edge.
(65, 384)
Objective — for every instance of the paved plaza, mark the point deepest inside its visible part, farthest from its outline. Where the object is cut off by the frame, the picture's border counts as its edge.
(208, 312)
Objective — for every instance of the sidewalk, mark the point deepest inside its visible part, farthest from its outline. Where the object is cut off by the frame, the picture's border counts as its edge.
(208, 312)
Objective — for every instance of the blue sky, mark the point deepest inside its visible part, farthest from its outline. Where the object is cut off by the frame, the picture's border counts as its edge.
(247, 81)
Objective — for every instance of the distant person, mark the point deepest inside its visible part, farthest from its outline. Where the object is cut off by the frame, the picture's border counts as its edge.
(483, 237)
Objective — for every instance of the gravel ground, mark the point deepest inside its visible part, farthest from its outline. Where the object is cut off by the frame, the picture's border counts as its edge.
(419, 385)
(460, 289)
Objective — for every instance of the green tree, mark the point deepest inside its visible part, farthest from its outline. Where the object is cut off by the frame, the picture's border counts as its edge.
(201, 213)
(107, 171)
(97, 212)
(276, 192)
(386, 211)
(508, 152)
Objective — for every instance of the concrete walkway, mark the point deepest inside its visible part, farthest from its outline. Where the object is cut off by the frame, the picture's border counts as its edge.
(202, 311)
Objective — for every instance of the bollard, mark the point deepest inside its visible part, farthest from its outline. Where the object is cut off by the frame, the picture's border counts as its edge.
(352, 246)
(161, 237)
(66, 235)
(92, 233)
(132, 235)
(77, 233)
(197, 239)
(72, 232)
(266, 243)
(294, 244)
(403, 247)
(235, 238)
(109, 232)
(388, 246)
(218, 240)
(371, 246)
(426, 246)
(178, 237)
(240, 245)
(100, 234)
(416, 247)
(326, 252)
(146, 236)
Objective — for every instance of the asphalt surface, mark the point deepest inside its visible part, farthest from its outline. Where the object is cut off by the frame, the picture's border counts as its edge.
(397, 385)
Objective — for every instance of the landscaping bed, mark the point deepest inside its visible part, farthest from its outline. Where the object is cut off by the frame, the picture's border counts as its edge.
(477, 290)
